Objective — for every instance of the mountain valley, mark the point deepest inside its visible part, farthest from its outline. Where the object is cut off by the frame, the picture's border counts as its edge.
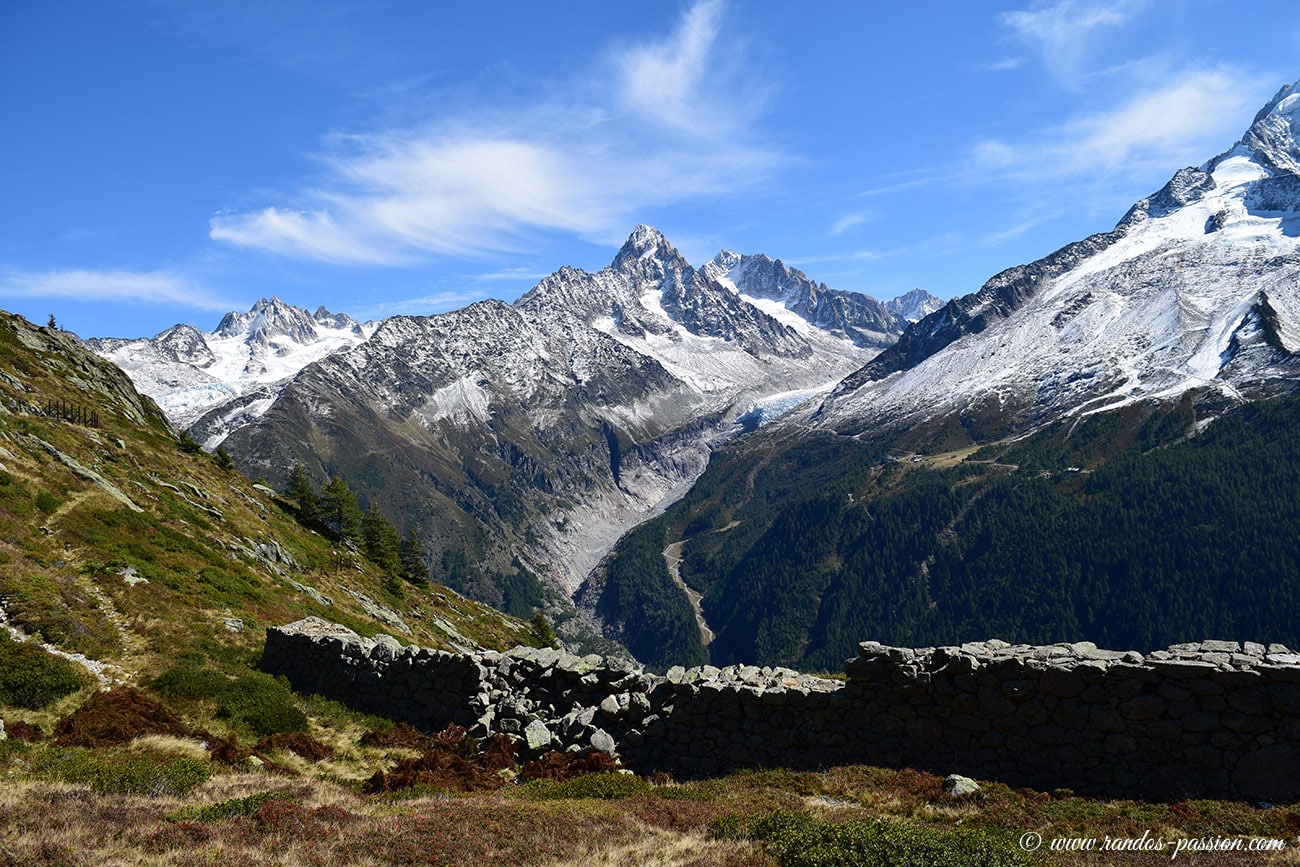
(521, 441)
(1085, 449)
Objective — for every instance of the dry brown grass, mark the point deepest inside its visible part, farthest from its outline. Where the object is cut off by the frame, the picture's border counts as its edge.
(659, 848)
(192, 748)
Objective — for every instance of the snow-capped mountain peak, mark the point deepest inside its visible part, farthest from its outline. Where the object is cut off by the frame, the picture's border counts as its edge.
(647, 243)
(913, 306)
(269, 318)
(790, 296)
(1274, 136)
(189, 372)
(1193, 290)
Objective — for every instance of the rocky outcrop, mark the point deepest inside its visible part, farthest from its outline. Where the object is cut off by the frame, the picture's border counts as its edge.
(1215, 719)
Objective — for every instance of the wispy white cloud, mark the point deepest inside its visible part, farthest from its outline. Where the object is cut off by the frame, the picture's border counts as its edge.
(1004, 65)
(1066, 31)
(510, 275)
(309, 234)
(656, 123)
(848, 221)
(1185, 119)
(669, 82)
(422, 305)
(150, 287)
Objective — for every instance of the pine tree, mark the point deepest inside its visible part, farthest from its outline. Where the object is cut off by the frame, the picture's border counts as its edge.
(411, 553)
(301, 489)
(543, 633)
(380, 541)
(339, 510)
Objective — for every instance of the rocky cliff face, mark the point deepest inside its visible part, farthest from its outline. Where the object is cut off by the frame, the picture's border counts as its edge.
(790, 295)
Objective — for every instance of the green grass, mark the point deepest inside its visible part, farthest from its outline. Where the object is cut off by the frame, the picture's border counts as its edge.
(228, 809)
(605, 786)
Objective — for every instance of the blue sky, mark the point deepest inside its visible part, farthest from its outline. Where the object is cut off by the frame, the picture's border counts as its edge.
(162, 162)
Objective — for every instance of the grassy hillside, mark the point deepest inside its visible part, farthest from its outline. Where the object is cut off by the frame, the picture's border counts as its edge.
(124, 544)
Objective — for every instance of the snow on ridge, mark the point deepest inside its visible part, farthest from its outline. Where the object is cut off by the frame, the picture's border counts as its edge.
(1152, 315)
(462, 402)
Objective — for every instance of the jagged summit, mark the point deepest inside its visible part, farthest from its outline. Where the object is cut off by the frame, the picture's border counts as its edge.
(1274, 134)
(271, 317)
(644, 239)
(647, 244)
(781, 291)
(189, 371)
(914, 305)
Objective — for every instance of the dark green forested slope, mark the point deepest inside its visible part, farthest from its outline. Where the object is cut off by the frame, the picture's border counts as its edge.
(1126, 532)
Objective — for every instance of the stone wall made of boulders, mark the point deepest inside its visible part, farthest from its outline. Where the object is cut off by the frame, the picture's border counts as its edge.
(1214, 719)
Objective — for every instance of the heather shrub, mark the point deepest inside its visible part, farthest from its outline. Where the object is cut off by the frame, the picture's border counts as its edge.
(225, 809)
(560, 766)
(23, 731)
(32, 678)
(298, 743)
(400, 735)
(117, 717)
(797, 839)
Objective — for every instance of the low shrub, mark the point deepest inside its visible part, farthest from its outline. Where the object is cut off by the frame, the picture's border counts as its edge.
(400, 735)
(262, 702)
(559, 767)
(298, 743)
(604, 785)
(225, 809)
(30, 677)
(797, 839)
(452, 761)
(440, 771)
(117, 717)
(123, 772)
(191, 684)
(23, 731)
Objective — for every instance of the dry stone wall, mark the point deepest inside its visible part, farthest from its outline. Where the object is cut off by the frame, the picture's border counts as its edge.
(1213, 719)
